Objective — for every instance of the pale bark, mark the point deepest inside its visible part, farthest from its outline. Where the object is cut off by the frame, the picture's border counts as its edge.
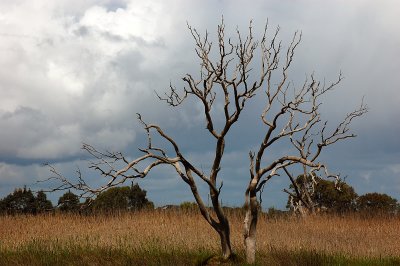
(250, 228)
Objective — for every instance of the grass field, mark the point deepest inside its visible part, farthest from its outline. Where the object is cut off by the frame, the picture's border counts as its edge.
(184, 238)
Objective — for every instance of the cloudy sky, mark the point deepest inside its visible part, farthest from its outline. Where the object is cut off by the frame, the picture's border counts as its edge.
(74, 71)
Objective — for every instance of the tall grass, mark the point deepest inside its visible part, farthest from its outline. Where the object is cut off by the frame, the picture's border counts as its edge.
(165, 237)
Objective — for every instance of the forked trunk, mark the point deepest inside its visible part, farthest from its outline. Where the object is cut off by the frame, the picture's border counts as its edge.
(222, 226)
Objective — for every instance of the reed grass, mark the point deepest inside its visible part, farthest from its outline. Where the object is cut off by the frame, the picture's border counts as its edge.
(184, 238)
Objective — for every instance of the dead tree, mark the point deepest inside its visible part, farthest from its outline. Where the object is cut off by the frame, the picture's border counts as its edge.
(230, 77)
(300, 200)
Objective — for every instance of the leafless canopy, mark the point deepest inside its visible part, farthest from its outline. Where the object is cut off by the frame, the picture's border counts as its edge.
(230, 76)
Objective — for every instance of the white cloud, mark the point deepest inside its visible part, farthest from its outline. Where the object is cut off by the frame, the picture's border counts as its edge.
(366, 176)
(138, 20)
(395, 168)
(72, 69)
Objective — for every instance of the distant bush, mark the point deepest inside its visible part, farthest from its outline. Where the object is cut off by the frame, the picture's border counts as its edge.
(188, 206)
(122, 199)
(69, 202)
(377, 202)
(23, 201)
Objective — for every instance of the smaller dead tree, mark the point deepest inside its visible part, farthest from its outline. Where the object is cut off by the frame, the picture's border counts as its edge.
(326, 196)
(300, 200)
(309, 144)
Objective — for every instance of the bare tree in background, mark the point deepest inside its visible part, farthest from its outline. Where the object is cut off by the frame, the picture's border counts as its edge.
(229, 78)
(309, 144)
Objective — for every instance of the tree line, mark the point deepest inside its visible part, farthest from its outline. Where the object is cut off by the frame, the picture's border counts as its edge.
(24, 201)
(328, 196)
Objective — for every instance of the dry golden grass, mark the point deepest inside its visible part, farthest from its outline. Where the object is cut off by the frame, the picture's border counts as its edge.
(167, 230)
(164, 230)
(352, 236)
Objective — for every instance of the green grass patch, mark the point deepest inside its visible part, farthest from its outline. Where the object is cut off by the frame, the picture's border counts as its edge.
(54, 253)
(297, 258)
(33, 254)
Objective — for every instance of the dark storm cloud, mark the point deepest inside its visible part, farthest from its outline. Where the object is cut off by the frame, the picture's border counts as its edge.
(91, 65)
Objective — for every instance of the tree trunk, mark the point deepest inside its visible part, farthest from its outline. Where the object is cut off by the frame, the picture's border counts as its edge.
(222, 227)
(250, 229)
(224, 234)
(303, 211)
(250, 245)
